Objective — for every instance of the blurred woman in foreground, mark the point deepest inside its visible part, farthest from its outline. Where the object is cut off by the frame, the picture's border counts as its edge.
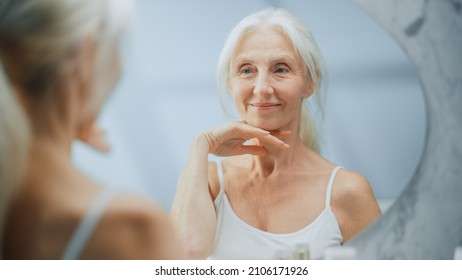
(59, 60)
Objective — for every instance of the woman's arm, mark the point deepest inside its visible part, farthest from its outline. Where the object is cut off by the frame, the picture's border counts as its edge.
(193, 212)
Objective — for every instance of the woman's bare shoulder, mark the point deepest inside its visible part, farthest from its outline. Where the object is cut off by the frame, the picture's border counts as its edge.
(350, 185)
(353, 203)
(133, 227)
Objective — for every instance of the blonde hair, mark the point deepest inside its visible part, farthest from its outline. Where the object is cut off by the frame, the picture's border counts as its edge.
(14, 139)
(303, 42)
(37, 37)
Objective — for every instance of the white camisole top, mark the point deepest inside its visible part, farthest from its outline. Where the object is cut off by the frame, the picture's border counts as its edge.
(235, 239)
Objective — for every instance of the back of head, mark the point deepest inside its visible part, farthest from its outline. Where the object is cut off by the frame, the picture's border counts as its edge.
(37, 41)
(303, 42)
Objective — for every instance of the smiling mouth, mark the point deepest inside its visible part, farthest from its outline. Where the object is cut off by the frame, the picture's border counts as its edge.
(264, 105)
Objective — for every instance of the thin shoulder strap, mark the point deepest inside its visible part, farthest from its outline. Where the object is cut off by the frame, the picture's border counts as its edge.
(221, 179)
(88, 224)
(329, 186)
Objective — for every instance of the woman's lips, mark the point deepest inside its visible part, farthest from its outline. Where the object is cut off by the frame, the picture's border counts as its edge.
(264, 106)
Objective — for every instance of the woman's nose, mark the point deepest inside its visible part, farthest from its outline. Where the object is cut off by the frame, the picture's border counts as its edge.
(262, 85)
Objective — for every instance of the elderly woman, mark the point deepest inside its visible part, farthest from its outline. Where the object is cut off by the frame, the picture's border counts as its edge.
(59, 60)
(274, 190)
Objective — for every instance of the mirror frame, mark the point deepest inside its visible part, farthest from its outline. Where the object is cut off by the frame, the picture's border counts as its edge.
(425, 222)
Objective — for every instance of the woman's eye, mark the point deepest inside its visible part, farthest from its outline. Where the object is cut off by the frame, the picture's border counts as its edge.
(281, 70)
(246, 71)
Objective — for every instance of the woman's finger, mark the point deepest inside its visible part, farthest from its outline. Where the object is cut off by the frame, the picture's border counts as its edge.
(95, 138)
(248, 132)
(231, 139)
(270, 139)
(252, 150)
(99, 144)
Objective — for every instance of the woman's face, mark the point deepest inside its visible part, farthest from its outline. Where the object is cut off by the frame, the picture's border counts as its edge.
(268, 80)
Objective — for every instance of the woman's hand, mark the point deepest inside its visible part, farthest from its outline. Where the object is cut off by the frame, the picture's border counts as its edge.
(94, 136)
(230, 139)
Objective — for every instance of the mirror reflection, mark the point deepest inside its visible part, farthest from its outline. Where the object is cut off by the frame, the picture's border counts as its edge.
(374, 113)
(168, 95)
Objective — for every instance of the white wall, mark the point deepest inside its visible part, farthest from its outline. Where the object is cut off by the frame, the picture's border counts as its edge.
(375, 116)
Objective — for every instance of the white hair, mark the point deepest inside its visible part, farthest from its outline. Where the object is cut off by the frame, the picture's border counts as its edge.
(302, 41)
(36, 40)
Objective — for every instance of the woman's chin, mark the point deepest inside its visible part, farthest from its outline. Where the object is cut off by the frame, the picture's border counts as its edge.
(264, 126)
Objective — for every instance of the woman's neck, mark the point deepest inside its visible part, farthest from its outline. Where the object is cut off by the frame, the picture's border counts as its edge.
(49, 160)
(53, 142)
(277, 160)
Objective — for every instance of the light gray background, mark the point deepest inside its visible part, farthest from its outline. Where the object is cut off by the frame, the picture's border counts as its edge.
(375, 115)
